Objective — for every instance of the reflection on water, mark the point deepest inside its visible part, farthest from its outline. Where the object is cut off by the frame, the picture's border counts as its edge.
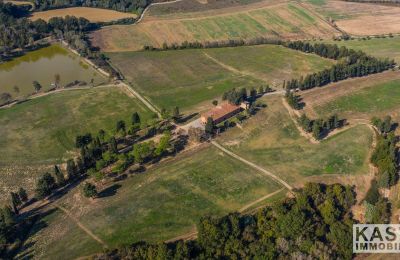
(43, 65)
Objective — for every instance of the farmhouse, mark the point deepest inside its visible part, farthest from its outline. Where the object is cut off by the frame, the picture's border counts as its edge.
(220, 113)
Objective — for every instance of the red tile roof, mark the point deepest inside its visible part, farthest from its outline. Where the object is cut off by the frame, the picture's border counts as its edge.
(220, 111)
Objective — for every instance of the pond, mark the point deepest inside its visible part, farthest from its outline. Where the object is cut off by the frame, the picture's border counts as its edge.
(17, 75)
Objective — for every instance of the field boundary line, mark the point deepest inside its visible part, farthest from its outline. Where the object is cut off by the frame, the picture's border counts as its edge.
(81, 226)
(253, 165)
(153, 4)
(232, 69)
(146, 102)
(321, 18)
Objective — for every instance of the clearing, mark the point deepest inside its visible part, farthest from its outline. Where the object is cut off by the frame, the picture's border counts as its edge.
(190, 79)
(286, 20)
(294, 158)
(165, 202)
(45, 130)
(92, 14)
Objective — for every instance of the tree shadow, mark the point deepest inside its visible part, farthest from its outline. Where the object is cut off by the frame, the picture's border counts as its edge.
(110, 191)
(186, 118)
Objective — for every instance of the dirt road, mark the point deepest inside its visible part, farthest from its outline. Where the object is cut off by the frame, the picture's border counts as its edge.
(262, 170)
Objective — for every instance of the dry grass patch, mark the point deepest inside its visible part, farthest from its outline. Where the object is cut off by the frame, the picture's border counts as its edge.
(282, 20)
(92, 14)
(361, 18)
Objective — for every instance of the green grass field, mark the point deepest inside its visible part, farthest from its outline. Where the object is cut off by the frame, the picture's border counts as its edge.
(270, 62)
(271, 140)
(42, 131)
(375, 100)
(189, 79)
(163, 203)
(377, 47)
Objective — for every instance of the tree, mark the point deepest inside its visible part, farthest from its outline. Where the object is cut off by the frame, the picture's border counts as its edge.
(23, 194)
(215, 102)
(83, 140)
(253, 94)
(89, 190)
(72, 171)
(37, 86)
(102, 134)
(5, 97)
(45, 185)
(57, 79)
(209, 127)
(317, 129)
(16, 89)
(59, 176)
(176, 113)
(135, 118)
(15, 202)
(120, 126)
(261, 90)
(113, 145)
(163, 145)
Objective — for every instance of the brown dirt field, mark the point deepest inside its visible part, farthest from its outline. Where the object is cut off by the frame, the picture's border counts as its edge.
(361, 19)
(262, 19)
(317, 96)
(373, 24)
(92, 14)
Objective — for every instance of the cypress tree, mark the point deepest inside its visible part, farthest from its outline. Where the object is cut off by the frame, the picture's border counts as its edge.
(59, 176)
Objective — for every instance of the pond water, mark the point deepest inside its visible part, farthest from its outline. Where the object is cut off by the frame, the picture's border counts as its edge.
(17, 75)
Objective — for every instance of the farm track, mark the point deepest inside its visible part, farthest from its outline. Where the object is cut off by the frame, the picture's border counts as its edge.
(232, 69)
(154, 4)
(253, 165)
(81, 226)
(146, 102)
(193, 234)
(55, 92)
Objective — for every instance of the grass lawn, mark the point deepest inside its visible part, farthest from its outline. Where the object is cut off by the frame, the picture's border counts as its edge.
(165, 202)
(377, 47)
(187, 78)
(42, 131)
(271, 140)
(377, 99)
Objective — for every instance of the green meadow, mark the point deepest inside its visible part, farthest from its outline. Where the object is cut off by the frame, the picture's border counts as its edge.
(41, 132)
(294, 158)
(165, 202)
(188, 78)
(380, 98)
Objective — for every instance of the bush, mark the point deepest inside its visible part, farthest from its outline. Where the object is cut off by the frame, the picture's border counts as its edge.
(89, 190)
